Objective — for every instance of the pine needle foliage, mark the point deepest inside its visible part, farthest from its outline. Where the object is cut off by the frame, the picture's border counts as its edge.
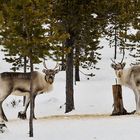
(28, 30)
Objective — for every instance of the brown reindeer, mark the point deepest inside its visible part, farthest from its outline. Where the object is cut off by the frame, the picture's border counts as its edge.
(19, 84)
(129, 77)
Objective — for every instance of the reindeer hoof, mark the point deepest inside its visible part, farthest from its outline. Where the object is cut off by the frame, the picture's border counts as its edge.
(2, 127)
(133, 112)
(34, 118)
(5, 119)
(22, 115)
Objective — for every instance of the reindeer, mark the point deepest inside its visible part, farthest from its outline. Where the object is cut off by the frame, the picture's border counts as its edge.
(19, 84)
(129, 77)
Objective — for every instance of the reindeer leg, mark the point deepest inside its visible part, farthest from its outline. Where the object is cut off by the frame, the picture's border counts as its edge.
(22, 114)
(34, 106)
(136, 100)
(2, 114)
(2, 126)
(138, 104)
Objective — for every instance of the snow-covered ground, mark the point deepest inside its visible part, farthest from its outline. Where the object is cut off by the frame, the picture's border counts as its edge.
(91, 118)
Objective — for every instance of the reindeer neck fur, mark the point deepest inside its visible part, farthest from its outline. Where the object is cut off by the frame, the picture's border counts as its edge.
(47, 87)
(124, 77)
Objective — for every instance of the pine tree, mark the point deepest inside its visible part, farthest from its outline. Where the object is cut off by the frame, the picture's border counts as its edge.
(77, 20)
(87, 44)
(119, 19)
(68, 13)
(24, 28)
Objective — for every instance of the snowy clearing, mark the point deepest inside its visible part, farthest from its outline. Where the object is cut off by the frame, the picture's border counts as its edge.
(76, 128)
(91, 118)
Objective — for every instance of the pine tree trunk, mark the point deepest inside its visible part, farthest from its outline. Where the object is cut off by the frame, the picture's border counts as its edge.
(115, 39)
(63, 68)
(118, 101)
(77, 76)
(25, 67)
(69, 77)
(31, 102)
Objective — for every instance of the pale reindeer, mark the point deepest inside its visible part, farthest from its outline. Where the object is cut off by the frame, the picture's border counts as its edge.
(19, 84)
(129, 77)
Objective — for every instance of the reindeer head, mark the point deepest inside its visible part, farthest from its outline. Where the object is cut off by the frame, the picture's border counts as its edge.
(118, 67)
(50, 73)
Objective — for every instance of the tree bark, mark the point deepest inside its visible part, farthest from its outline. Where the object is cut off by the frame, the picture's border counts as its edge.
(31, 102)
(118, 101)
(69, 77)
(63, 68)
(25, 67)
(115, 39)
(77, 76)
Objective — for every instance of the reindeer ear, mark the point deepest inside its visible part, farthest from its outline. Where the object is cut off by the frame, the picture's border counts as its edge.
(113, 66)
(123, 64)
(44, 71)
(56, 71)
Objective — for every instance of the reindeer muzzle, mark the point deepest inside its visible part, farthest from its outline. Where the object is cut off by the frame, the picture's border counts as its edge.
(119, 74)
(50, 79)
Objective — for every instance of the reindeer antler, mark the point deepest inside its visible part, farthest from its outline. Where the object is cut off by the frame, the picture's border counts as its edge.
(113, 61)
(123, 56)
(45, 64)
(57, 65)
